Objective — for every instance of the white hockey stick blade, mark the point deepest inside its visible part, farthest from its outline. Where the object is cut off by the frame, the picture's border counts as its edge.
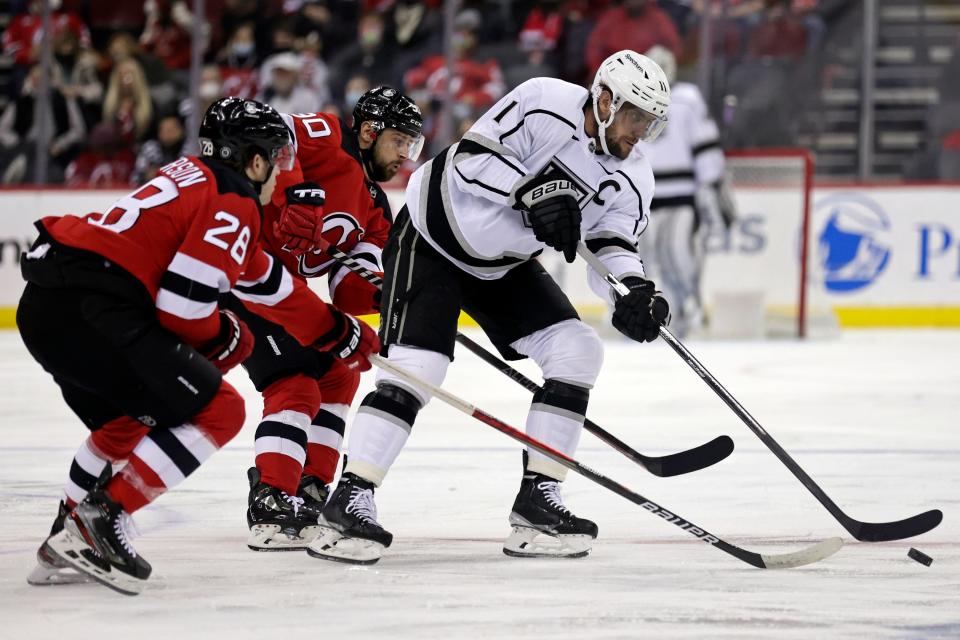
(816, 553)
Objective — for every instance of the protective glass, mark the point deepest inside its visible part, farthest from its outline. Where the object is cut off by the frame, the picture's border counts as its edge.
(646, 125)
(407, 145)
(282, 157)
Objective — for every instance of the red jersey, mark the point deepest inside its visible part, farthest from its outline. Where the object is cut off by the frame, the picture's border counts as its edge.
(189, 235)
(356, 212)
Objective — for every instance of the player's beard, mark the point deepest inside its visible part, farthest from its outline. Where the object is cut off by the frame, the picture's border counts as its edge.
(617, 146)
(379, 170)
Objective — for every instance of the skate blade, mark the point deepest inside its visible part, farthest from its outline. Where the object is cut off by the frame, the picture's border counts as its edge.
(333, 545)
(525, 542)
(270, 537)
(69, 545)
(51, 570)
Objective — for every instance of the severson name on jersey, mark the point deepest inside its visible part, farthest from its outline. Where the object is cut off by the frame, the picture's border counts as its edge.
(189, 235)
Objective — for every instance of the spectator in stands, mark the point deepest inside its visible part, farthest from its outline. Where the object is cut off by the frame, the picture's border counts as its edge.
(107, 162)
(211, 89)
(780, 33)
(335, 28)
(314, 72)
(284, 91)
(636, 25)
(476, 84)
(371, 54)
(418, 30)
(238, 63)
(128, 102)
(19, 130)
(107, 19)
(538, 39)
(78, 68)
(166, 35)
(356, 86)
(123, 46)
(167, 147)
(23, 34)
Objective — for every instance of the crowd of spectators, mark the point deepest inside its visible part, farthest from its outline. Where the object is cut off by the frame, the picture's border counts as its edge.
(121, 75)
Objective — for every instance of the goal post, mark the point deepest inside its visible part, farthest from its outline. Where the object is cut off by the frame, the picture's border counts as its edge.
(761, 277)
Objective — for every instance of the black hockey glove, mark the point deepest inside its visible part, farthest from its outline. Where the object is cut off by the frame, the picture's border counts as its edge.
(639, 314)
(550, 208)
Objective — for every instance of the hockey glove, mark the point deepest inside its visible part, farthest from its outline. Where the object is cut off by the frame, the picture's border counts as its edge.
(639, 314)
(233, 344)
(550, 208)
(300, 226)
(350, 340)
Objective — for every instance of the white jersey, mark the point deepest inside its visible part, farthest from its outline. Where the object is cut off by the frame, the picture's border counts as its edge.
(461, 202)
(687, 155)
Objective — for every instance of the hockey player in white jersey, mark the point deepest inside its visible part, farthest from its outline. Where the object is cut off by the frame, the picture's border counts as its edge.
(548, 165)
(692, 197)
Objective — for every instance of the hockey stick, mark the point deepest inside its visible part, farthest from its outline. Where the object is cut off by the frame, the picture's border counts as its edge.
(674, 464)
(814, 553)
(864, 531)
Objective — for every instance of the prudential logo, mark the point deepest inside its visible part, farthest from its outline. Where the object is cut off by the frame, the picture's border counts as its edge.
(852, 246)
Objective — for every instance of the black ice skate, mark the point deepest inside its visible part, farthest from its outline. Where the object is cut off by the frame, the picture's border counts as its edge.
(95, 541)
(542, 526)
(51, 569)
(281, 522)
(351, 532)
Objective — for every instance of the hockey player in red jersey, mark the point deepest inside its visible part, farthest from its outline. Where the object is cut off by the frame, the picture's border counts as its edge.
(330, 196)
(121, 308)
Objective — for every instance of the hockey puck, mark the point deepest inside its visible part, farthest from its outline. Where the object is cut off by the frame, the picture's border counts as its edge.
(920, 557)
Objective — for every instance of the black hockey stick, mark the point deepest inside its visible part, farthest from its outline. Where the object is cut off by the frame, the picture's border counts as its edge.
(865, 531)
(675, 464)
(811, 554)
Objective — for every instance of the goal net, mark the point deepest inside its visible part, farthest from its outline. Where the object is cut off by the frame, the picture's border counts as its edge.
(758, 280)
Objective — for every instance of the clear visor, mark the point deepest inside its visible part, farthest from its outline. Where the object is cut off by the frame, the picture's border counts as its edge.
(283, 157)
(406, 145)
(644, 125)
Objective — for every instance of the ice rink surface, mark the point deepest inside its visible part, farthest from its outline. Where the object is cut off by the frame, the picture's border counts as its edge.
(872, 416)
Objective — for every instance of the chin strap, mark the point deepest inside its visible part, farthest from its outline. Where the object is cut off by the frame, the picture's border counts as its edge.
(603, 124)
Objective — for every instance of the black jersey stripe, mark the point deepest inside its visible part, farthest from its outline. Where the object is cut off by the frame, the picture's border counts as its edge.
(329, 420)
(674, 175)
(672, 201)
(268, 287)
(500, 115)
(517, 126)
(473, 147)
(81, 477)
(706, 146)
(281, 430)
(187, 288)
(596, 244)
(185, 461)
(481, 184)
(438, 227)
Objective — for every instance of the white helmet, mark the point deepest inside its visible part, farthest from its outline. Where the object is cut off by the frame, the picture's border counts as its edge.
(631, 77)
(665, 59)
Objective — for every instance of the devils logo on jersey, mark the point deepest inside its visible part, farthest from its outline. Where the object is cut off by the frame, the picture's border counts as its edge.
(340, 229)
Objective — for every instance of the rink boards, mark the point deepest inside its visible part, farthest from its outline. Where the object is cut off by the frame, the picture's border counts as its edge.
(879, 256)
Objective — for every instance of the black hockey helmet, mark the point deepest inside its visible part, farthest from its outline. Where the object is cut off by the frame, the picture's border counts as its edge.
(385, 107)
(233, 130)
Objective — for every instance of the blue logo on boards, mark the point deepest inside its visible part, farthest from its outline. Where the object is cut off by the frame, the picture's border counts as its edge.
(851, 248)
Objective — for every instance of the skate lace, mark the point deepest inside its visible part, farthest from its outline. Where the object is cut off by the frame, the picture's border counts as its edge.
(551, 492)
(361, 503)
(295, 502)
(126, 529)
